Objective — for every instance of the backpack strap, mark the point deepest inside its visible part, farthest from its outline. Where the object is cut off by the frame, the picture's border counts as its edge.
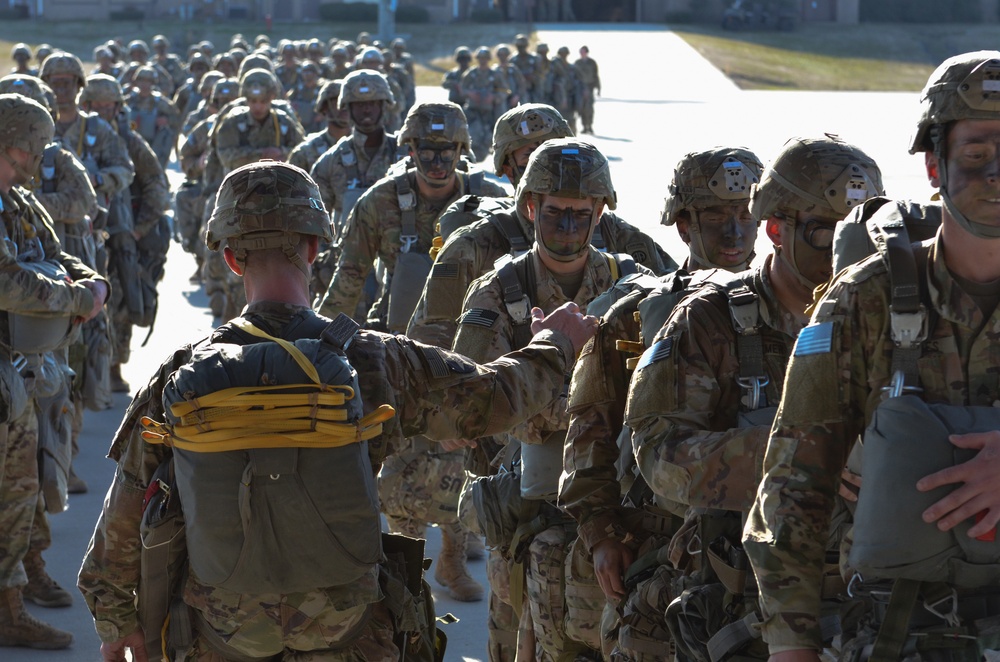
(474, 183)
(49, 168)
(517, 280)
(744, 312)
(408, 212)
(508, 226)
(349, 159)
(621, 265)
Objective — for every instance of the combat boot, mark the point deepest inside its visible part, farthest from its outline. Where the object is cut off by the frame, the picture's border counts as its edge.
(118, 384)
(42, 589)
(450, 570)
(19, 628)
(75, 484)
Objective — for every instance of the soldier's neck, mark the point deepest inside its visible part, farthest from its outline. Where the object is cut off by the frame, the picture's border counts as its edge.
(67, 114)
(968, 256)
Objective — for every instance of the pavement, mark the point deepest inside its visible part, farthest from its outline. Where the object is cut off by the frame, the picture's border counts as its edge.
(660, 99)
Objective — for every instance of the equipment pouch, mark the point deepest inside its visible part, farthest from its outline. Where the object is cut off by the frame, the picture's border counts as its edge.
(405, 288)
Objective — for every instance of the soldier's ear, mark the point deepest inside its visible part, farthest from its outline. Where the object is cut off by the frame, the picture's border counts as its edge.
(532, 208)
(931, 164)
(231, 261)
(773, 228)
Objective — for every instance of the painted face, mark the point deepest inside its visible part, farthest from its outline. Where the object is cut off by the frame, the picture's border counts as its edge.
(64, 86)
(436, 161)
(813, 250)
(563, 225)
(973, 169)
(366, 115)
(106, 110)
(727, 234)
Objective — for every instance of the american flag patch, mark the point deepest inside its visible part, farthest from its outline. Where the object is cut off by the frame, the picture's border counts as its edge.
(479, 317)
(444, 270)
(814, 339)
(659, 351)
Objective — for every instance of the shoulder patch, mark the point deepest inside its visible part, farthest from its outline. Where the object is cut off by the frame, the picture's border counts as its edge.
(814, 339)
(479, 317)
(444, 270)
(659, 351)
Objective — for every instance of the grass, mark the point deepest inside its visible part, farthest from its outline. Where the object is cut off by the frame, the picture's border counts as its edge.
(820, 56)
(430, 44)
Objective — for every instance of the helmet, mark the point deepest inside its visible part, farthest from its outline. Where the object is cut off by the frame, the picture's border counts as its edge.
(436, 122)
(102, 88)
(208, 82)
(398, 44)
(314, 46)
(114, 47)
(261, 40)
(255, 61)
(103, 52)
(20, 52)
(237, 41)
(310, 66)
(563, 50)
(569, 168)
(265, 202)
(160, 40)
(364, 85)
(199, 60)
(258, 82)
(364, 38)
(483, 53)
(521, 41)
(711, 178)
(371, 57)
(463, 53)
(27, 86)
(525, 124)
(542, 48)
(25, 124)
(62, 63)
(206, 47)
(138, 45)
(43, 51)
(819, 175)
(963, 87)
(225, 90)
(144, 73)
(503, 50)
(339, 53)
(328, 94)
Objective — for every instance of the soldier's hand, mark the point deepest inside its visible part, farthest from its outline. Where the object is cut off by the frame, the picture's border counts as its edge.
(100, 291)
(567, 320)
(135, 642)
(850, 485)
(979, 493)
(611, 559)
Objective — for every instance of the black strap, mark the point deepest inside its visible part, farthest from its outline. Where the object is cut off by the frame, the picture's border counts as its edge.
(49, 168)
(507, 225)
(908, 316)
(408, 212)
(518, 282)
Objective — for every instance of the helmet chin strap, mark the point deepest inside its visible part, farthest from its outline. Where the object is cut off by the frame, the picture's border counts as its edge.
(540, 240)
(24, 175)
(699, 256)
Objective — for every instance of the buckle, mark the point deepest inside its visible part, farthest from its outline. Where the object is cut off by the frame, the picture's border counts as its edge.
(744, 311)
(520, 310)
(937, 608)
(753, 386)
(908, 329)
(407, 242)
(898, 387)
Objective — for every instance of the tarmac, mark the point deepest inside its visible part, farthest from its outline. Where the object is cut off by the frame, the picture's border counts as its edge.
(659, 100)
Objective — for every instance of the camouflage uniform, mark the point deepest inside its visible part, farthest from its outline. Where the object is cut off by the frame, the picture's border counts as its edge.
(331, 169)
(561, 87)
(239, 139)
(590, 82)
(303, 100)
(313, 146)
(102, 152)
(486, 93)
(288, 75)
(453, 79)
(527, 64)
(515, 83)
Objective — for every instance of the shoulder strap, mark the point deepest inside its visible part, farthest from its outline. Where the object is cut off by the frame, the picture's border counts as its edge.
(349, 159)
(475, 184)
(508, 226)
(49, 168)
(408, 211)
(517, 280)
(621, 264)
(744, 312)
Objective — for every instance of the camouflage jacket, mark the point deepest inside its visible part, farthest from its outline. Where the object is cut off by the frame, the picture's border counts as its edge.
(486, 329)
(194, 147)
(187, 97)
(72, 198)
(303, 100)
(157, 105)
(838, 384)
(527, 64)
(684, 401)
(164, 81)
(434, 392)
(484, 89)
(239, 139)
(173, 66)
(307, 153)
(586, 71)
(453, 83)
(471, 251)
(191, 119)
(102, 152)
(287, 75)
(331, 169)
(150, 190)
(373, 230)
(514, 81)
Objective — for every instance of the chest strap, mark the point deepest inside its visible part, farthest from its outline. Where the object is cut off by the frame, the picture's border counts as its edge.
(517, 279)
(510, 228)
(408, 212)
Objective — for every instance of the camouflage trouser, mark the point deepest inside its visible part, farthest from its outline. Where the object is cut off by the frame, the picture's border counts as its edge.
(501, 621)
(422, 485)
(121, 326)
(300, 638)
(587, 110)
(18, 494)
(585, 600)
(189, 203)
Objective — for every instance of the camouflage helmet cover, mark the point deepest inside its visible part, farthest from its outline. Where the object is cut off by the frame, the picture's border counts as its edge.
(463, 53)
(521, 40)
(198, 59)
(225, 90)
(711, 178)
(43, 51)
(817, 175)
(27, 86)
(483, 53)
(160, 40)
(256, 61)
(963, 87)
(62, 63)
(503, 50)
(20, 52)
(371, 56)
(25, 124)
(145, 73)
(563, 50)
(102, 88)
(328, 94)
(208, 82)
(267, 199)
(570, 168)
(436, 122)
(259, 82)
(364, 85)
(138, 45)
(523, 125)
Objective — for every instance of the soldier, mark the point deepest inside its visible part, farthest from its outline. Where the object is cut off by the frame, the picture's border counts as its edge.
(590, 86)
(314, 51)
(371, 59)
(225, 64)
(138, 53)
(307, 153)
(186, 99)
(399, 74)
(394, 220)
(453, 79)
(915, 320)
(341, 63)
(21, 54)
(134, 300)
(40, 279)
(106, 62)
(205, 87)
(561, 86)
(565, 188)
(515, 81)
(527, 64)
(403, 57)
(698, 444)
(303, 97)
(42, 52)
(154, 115)
(485, 91)
(288, 71)
(170, 62)
(542, 94)
(340, 615)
